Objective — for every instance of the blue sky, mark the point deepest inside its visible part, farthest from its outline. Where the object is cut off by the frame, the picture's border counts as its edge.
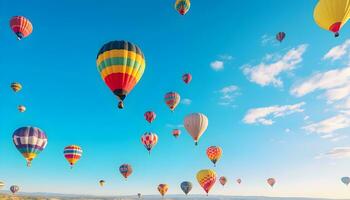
(274, 108)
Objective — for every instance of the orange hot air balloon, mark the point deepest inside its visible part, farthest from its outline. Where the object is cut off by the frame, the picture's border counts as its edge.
(223, 180)
(163, 189)
(176, 133)
(21, 26)
(150, 116)
(214, 153)
(196, 124)
(239, 181)
(21, 108)
(16, 87)
(206, 178)
(125, 170)
(271, 181)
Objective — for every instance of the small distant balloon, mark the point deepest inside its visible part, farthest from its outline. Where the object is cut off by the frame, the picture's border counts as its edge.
(21, 26)
(139, 195)
(280, 36)
(172, 99)
(125, 170)
(223, 180)
(182, 6)
(186, 187)
(163, 189)
(21, 108)
(14, 189)
(16, 87)
(2, 184)
(187, 78)
(176, 133)
(239, 181)
(345, 180)
(150, 116)
(102, 183)
(214, 153)
(271, 181)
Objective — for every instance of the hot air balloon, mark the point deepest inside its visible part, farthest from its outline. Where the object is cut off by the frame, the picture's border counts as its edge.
(196, 124)
(163, 189)
(280, 36)
(172, 99)
(239, 181)
(206, 178)
(30, 141)
(21, 108)
(125, 170)
(121, 65)
(139, 195)
(16, 87)
(186, 187)
(21, 26)
(214, 154)
(149, 140)
(176, 132)
(150, 116)
(223, 180)
(345, 180)
(102, 183)
(182, 6)
(2, 184)
(14, 189)
(332, 15)
(271, 181)
(72, 153)
(187, 78)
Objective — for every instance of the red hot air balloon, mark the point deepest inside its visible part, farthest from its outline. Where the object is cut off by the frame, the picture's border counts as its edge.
(150, 116)
(280, 36)
(187, 78)
(21, 26)
(176, 133)
(271, 181)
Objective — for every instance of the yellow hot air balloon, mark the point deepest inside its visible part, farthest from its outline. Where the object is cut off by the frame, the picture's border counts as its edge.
(16, 87)
(332, 15)
(206, 178)
(102, 183)
(196, 124)
(163, 189)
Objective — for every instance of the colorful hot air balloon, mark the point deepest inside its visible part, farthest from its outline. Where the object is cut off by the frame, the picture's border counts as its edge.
(102, 183)
(21, 108)
(121, 65)
(163, 189)
(14, 189)
(21, 26)
(139, 195)
(16, 87)
(187, 78)
(72, 153)
(125, 170)
(196, 124)
(176, 132)
(214, 153)
(172, 99)
(182, 6)
(30, 141)
(332, 15)
(280, 36)
(271, 181)
(345, 180)
(206, 178)
(239, 181)
(223, 180)
(149, 140)
(2, 184)
(186, 187)
(150, 116)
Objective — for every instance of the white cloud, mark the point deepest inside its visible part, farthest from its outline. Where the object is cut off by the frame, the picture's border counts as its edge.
(263, 115)
(226, 57)
(337, 153)
(174, 125)
(268, 73)
(287, 130)
(217, 65)
(329, 125)
(267, 39)
(186, 101)
(337, 52)
(306, 117)
(228, 95)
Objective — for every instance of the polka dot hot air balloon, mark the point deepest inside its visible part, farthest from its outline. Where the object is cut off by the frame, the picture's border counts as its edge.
(172, 99)
(21, 26)
(182, 6)
(30, 141)
(149, 140)
(150, 116)
(125, 170)
(72, 153)
(196, 124)
(14, 189)
(206, 178)
(121, 65)
(163, 189)
(214, 153)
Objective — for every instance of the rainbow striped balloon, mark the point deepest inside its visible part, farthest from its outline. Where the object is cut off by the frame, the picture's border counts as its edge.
(182, 6)
(72, 153)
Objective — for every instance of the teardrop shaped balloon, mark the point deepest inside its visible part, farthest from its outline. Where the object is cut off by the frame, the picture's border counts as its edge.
(176, 133)
(21, 26)
(139, 195)
(332, 15)
(150, 116)
(121, 65)
(196, 124)
(125, 170)
(163, 189)
(186, 187)
(182, 6)
(223, 180)
(14, 189)
(187, 78)
(21, 108)
(345, 180)
(16, 87)
(239, 181)
(172, 99)
(149, 140)
(214, 153)
(280, 36)
(72, 153)
(206, 178)
(2, 184)
(30, 141)
(271, 181)
(102, 183)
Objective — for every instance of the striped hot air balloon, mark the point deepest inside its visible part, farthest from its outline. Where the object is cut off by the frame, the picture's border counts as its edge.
(163, 189)
(280, 36)
(30, 141)
(150, 116)
(125, 170)
(182, 6)
(21, 26)
(206, 178)
(121, 65)
(187, 78)
(149, 140)
(16, 87)
(172, 99)
(214, 153)
(72, 153)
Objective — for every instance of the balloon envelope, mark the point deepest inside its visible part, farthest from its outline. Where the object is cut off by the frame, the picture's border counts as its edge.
(149, 140)
(176, 132)
(187, 78)
(346, 180)
(223, 180)
(16, 87)
(163, 189)
(186, 187)
(21, 108)
(21, 26)
(196, 124)
(14, 189)
(271, 181)
(206, 178)
(125, 170)
(182, 6)
(172, 99)
(150, 116)
(72, 153)
(239, 181)
(280, 36)
(102, 183)
(214, 153)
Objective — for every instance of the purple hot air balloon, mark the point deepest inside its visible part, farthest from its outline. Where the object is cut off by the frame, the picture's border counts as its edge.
(280, 36)
(14, 189)
(30, 141)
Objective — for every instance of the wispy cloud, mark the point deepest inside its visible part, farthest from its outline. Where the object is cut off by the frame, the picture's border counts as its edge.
(219, 64)
(338, 52)
(337, 153)
(228, 95)
(267, 39)
(329, 125)
(186, 101)
(265, 115)
(174, 125)
(268, 73)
